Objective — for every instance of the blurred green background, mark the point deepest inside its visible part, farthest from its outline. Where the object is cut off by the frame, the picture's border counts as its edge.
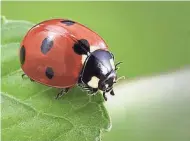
(149, 37)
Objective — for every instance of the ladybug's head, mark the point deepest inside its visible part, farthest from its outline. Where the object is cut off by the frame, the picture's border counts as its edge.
(107, 81)
(106, 84)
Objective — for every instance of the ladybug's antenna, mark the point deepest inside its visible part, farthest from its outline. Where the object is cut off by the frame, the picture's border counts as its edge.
(116, 68)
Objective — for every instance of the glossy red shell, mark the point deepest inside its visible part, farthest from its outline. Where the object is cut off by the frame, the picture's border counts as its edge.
(61, 61)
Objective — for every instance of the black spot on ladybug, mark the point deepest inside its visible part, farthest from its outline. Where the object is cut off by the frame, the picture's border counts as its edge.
(22, 55)
(68, 22)
(49, 72)
(81, 47)
(47, 44)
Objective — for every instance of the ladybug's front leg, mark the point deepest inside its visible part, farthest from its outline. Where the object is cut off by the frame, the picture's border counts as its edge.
(112, 92)
(62, 92)
(90, 90)
(93, 91)
(104, 95)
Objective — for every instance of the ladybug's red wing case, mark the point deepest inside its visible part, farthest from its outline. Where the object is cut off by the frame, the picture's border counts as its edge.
(50, 55)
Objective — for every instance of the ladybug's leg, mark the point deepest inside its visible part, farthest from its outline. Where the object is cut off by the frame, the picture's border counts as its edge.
(92, 91)
(62, 92)
(112, 92)
(23, 75)
(104, 95)
(31, 80)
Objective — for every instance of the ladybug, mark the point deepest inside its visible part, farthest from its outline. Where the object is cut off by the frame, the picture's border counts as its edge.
(62, 53)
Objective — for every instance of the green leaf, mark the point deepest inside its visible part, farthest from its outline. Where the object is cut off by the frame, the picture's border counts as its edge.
(29, 109)
(13, 30)
(155, 108)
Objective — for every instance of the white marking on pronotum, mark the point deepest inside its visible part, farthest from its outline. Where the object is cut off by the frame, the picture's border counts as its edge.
(93, 48)
(94, 82)
(112, 64)
(84, 58)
